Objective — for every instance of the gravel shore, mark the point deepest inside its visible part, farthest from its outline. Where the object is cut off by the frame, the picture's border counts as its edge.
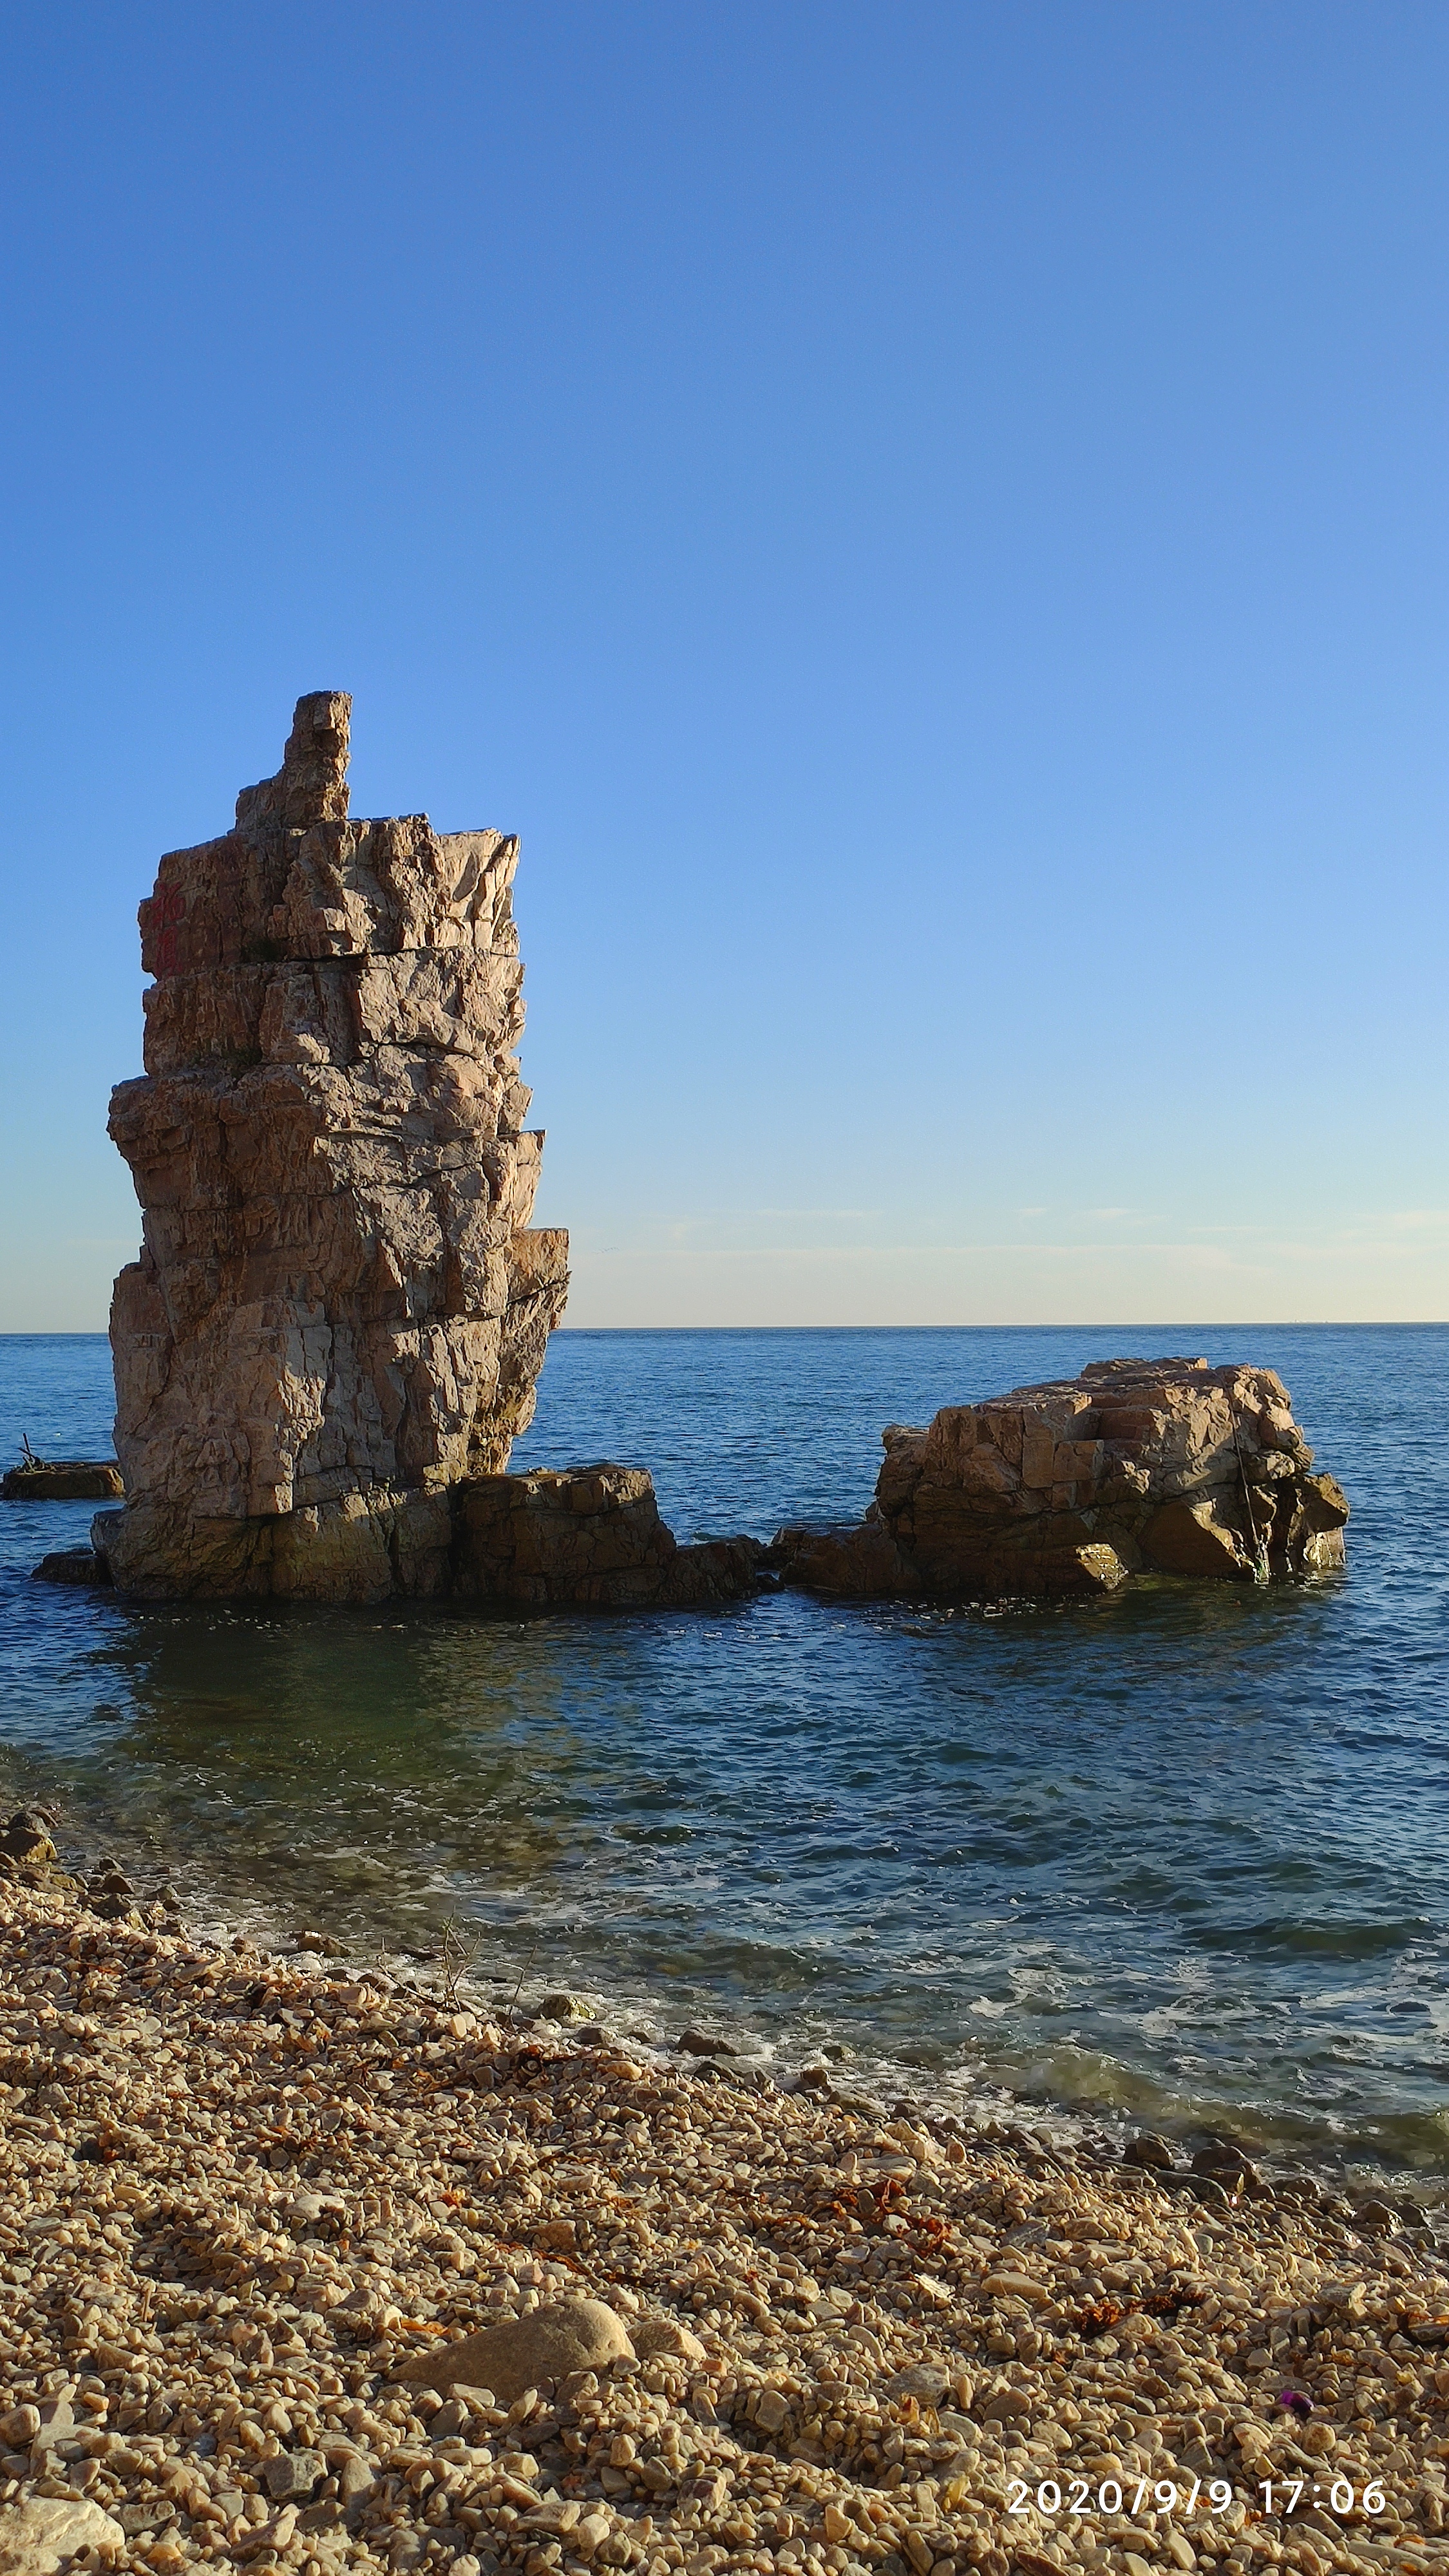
(241, 2198)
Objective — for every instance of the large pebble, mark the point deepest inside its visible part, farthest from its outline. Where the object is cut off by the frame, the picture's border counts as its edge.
(40, 2534)
(292, 2473)
(923, 2382)
(661, 2338)
(1149, 2150)
(560, 2336)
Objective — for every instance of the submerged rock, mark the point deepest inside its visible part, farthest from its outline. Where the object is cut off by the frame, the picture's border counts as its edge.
(1137, 1465)
(73, 1565)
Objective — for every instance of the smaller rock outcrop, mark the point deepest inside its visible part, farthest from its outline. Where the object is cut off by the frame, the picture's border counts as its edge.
(62, 1480)
(587, 1538)
(1164, 1465)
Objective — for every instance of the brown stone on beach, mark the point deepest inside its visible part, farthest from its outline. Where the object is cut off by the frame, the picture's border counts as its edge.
(552, 2340)
(40, 2534)
(28, 1856)
(1150, 2151)
(1136, 1466)
(26, 1836)
(340, 1310)
(664, 2339)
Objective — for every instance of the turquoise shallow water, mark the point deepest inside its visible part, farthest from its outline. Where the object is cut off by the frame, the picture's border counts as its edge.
(1178, 1855)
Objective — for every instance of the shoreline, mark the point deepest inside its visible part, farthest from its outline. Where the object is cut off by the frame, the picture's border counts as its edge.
(445, 1954)
(1288, 2038)
(243, 2194)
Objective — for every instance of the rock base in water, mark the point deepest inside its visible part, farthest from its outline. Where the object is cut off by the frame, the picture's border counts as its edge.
(590, 1536)
(555, 1538)
(356, 1548)
(1135, 1466)
(78, 1566)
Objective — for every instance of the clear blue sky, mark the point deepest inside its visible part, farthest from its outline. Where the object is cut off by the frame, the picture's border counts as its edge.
(930, 521)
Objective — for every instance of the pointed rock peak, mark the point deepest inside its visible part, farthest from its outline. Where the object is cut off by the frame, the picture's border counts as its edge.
(311, 785)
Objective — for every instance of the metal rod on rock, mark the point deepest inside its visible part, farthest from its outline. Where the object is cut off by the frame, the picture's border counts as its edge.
(1260, 1552)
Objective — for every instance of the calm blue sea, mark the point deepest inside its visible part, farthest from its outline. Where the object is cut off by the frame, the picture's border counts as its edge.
(1178, 1856)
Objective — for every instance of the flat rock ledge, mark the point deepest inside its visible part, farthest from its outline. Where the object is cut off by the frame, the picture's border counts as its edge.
(1136, 1466)
(552, 1538)
(63, 1480)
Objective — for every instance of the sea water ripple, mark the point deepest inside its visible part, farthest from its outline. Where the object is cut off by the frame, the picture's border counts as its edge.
(1177, 1856)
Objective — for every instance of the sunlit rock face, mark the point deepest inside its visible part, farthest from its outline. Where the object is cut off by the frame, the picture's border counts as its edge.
(340, 1310)
(1137, 1466)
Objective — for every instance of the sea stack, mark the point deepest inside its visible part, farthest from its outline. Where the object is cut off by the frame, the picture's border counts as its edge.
(340, 1310)
(1166, 1466)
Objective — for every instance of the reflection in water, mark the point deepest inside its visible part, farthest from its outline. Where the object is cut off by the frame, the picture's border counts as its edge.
(1177, 1851)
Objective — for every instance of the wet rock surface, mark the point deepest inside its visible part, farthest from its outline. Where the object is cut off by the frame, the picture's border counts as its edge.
(79, 1567)
(28, 1855)
(589, 1537)
(1137, 1466)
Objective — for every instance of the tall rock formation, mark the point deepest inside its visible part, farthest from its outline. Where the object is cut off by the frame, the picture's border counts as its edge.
(1137, 1466)
(340, 1310)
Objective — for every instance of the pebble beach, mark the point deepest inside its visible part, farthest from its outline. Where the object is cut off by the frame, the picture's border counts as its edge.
(252, 2208)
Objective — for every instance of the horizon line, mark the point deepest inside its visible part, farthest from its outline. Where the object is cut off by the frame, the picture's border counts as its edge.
(1241, 1324)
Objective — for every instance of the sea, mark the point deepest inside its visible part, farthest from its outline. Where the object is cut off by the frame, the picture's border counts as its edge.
(1175, 1858)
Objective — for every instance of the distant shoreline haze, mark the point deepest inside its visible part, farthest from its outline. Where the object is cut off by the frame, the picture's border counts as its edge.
(988, 1324)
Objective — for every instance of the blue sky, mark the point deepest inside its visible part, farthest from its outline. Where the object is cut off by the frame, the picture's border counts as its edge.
(930, 521)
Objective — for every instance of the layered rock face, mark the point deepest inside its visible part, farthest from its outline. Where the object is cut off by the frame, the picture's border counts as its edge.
(590, 1537)
(1136, 1465)
(340, 1311)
